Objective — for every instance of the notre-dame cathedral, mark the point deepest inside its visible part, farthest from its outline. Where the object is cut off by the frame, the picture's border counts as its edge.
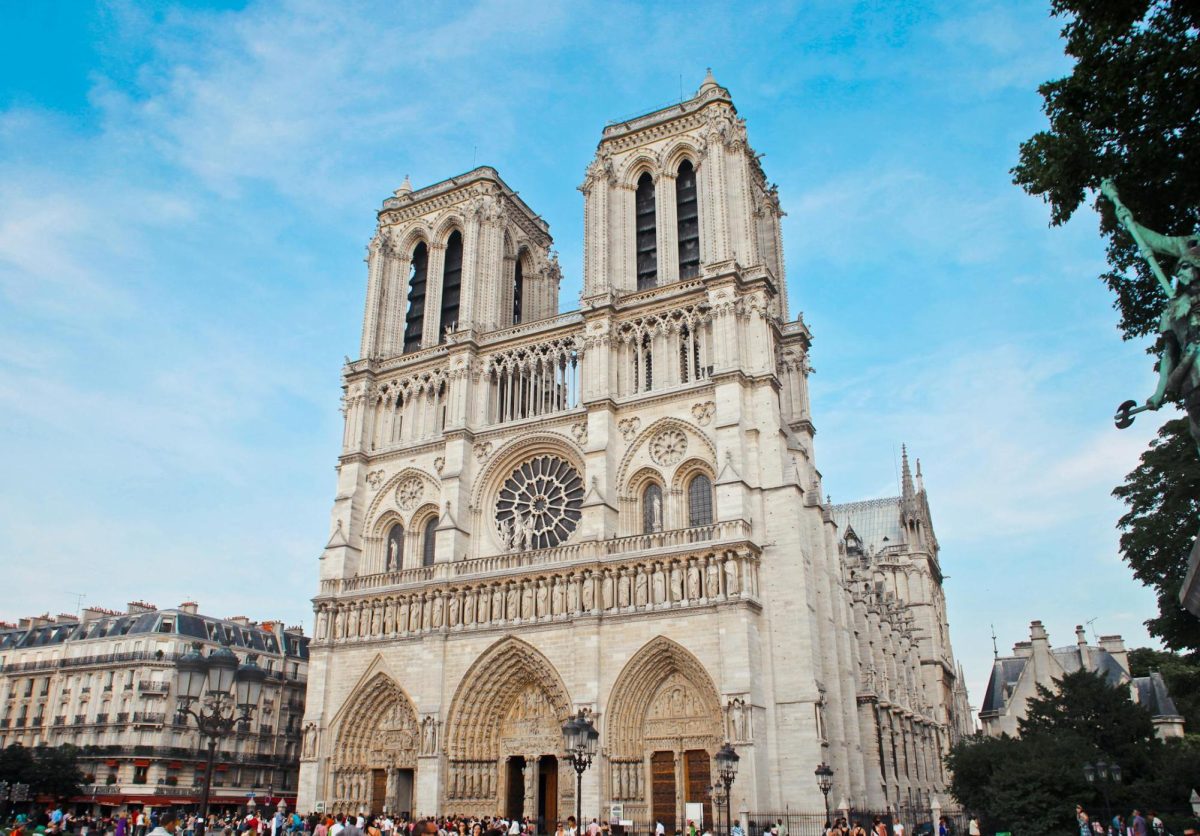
(616, 510)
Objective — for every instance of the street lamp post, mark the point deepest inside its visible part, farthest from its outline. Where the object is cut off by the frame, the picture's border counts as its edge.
(717, 793)
(579, 741)
(1102, 774)
(825, 783)
(207, 693)
(727, 766)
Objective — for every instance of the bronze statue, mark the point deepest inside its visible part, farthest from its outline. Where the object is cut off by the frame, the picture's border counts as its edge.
(1179, 325)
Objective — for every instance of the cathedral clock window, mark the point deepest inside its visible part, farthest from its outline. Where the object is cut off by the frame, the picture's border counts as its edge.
(700, 501)
(414, 318)
(429, 542)
(647, 234)
(687, 213)
(394, 558)
(518, 293)
(652, 509)
(451, 283)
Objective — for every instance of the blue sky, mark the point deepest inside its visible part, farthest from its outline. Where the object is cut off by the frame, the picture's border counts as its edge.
(186, 192)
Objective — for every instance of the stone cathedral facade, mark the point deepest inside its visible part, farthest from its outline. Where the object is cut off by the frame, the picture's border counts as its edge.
(615, 509)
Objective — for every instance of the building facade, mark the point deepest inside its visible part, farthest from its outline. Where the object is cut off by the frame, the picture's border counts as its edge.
(1015, 680)
(615, 510)
(105, 682)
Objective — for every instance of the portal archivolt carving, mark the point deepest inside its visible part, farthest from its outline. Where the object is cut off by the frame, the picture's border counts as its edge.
(507, 702)
(379, 729)
(663, 699)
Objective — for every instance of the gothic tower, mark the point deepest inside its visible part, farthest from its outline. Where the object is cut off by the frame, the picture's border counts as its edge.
(615, 510)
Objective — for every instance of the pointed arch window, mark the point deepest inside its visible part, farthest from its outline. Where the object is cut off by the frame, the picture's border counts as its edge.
(518, 293)
(451, 283)
(652, 509)
(647, 233)
(393, 558)
(643, 364)
(414, 318)
(687, 213)
(429, 541)
(700, 501)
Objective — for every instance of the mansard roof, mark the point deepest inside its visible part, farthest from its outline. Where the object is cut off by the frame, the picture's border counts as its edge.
(176, 622)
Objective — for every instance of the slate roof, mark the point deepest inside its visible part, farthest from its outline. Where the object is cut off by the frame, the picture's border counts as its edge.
(1151, 693)
(172, 622)
(875, 521)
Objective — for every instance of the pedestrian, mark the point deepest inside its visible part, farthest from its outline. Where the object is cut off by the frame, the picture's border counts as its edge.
(973, 827)
(166, 822)
(1137, 825)
(898, 829)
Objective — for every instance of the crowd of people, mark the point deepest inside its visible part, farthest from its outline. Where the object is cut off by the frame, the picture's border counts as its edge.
(168, 822)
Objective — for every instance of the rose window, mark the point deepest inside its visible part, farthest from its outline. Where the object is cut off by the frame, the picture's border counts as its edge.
(668, 447)
(539, 504)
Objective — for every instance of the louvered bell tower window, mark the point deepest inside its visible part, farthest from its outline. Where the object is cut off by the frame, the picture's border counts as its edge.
(414, 319)
(451, 284)
(518, 293)
(687, 210)
(647, 234)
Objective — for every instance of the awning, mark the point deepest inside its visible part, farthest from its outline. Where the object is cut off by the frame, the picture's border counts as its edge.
(141, 763)
(175, 765)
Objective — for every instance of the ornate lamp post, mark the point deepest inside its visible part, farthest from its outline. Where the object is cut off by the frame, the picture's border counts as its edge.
(825, 783)
(1103, 774)
(579, 741)
(207, 683)
(717, 793)
(727, 766)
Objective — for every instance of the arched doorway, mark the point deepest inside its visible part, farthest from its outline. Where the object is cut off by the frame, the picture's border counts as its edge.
(664, 726)
(375, 757)
(504, 736)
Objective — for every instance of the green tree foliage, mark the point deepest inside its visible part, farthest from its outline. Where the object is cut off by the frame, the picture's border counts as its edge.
(1030, 784)
(1088, 709)
(48, 770)
(1181, 675)
(1163, 496)
(1130, 111)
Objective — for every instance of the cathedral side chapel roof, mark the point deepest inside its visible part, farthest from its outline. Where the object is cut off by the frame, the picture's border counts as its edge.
(876, 522)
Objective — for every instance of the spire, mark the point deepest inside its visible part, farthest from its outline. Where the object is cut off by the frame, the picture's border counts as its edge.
(920, 478)
(906, 481)
(405, 188)
(709, 82)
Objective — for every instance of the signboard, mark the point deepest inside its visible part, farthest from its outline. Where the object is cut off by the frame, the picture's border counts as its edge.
(616, 811)
(320, 806)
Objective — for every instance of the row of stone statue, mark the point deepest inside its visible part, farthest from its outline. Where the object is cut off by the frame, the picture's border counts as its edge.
(352, 787)
(628, 780)
(471, 780)
(690, 581)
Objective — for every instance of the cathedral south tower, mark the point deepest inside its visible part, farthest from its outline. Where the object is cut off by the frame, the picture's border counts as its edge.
(614, 510)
